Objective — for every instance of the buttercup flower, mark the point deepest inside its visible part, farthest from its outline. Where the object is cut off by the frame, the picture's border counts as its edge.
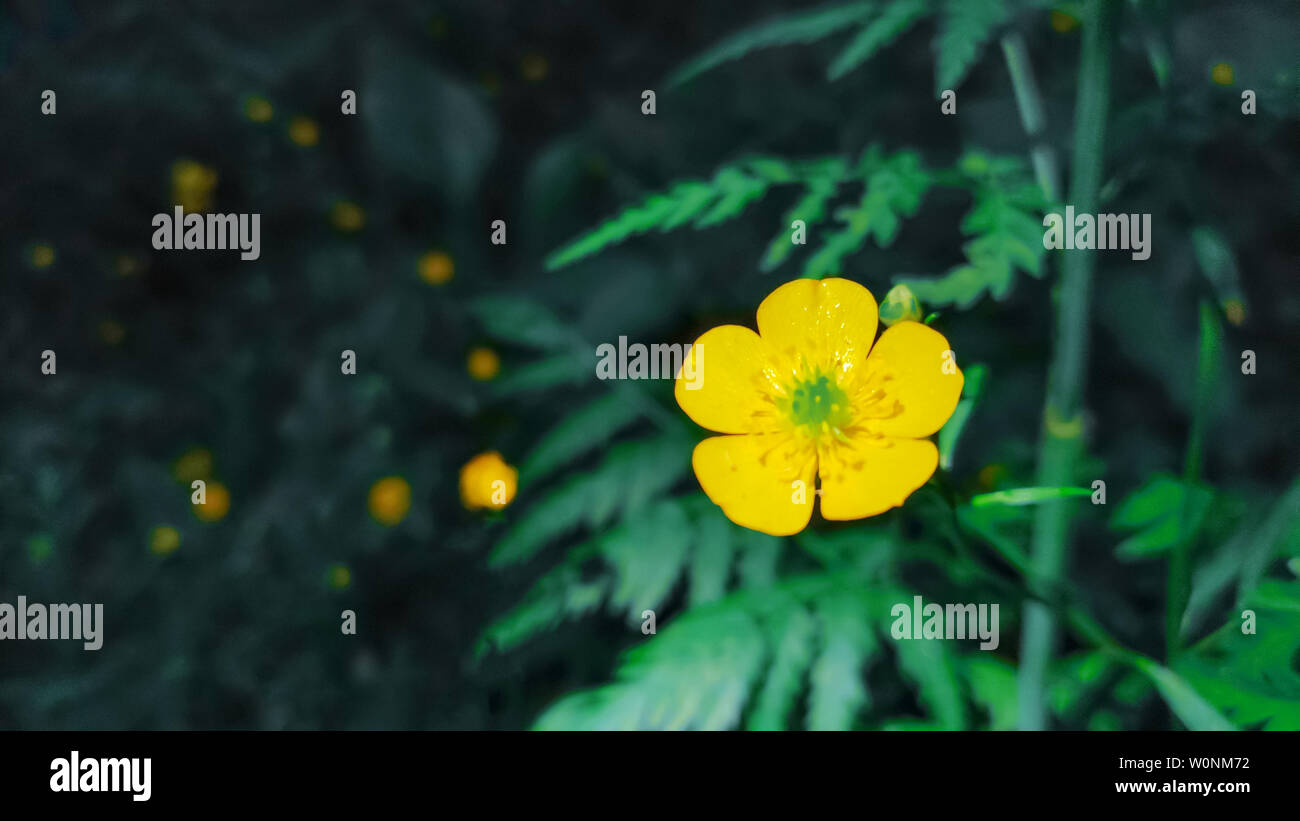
(216, 503)
(488, 482)
(808, 399)
(390, 500)
(483, 364)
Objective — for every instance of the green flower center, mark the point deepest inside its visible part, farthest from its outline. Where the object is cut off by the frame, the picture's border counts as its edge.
(818, 404)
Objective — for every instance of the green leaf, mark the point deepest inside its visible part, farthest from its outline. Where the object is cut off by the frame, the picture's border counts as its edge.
(894, 189)
(1028, 496)
(950, 433)
(632, 474)
(811, 208)
(897, 18)
(647, 550)
(838, 686)
(793, 632)
(552, 372)
(930, 665)
(587, 428)
(993, 686)
(522, 321)
(711, 561)
(1190, 707)
(559, 595)
(964, 27)
(1155, 510)
(800, 27)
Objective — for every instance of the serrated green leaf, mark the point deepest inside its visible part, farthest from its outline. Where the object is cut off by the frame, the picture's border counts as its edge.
(790, 29)
(964, 27)
(587, 428)
(793, 632)
(930, 665)
(647, 551)
(897, 18)
(838, 676)
(711, 561)
(522, 321)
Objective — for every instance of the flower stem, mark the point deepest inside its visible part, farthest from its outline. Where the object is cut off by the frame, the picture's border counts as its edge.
(1060, 444)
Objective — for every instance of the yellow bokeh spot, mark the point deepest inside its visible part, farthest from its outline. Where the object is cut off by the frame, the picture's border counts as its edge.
(990, 475)
(1063, 21)
(126, 265)
(192, 185)
(483, 364)
(42, 256)
(164, 540)
(533, 67)
(347, 216)
(340, 576)
(487, 482)
(490, 81)
(304, 131)
(1235, 310)
(216, 503)
(1221, 74)
(258, 109)
(112, 333)
(437, 267)
(390, 500)
(195, 463)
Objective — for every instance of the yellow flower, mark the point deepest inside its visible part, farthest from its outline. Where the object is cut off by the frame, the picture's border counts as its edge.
(340, 576)
(195, 463)
(533, 67)
(192, 185)
(164, 540)
(42, 256)
(1235, 310)
(216, 503)
(1221, 74)
(127, 265)
(803, 400)
(347, 216)
(483, 364)
(390, 500)
(258, 109)
(488, 482)
(437, 268)
(111, 332)
(304, 131)
(1063, 21)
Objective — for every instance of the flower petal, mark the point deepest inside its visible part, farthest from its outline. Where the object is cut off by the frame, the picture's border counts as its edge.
(874, 476)
(916, 356)
(823, 322)
(752, 478)
(718, 385)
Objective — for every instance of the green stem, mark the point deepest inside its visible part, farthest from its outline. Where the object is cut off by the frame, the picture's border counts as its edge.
(1060, 444)
(1179, 586)
(1030, 104)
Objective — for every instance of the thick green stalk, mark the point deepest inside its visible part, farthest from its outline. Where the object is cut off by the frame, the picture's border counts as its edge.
(1060, 444)
(1030, 104)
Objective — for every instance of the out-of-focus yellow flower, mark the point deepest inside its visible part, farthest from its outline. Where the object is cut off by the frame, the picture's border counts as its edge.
(533, 67)
(340, 576)
(195, 463)
(990, 475)
(347, 216)
(112, 333)
(487, 482)
(1221, 74)
(164, 540)
(390, 500)
(258, 109)
(810, 398)
(1063, 21)
(437, 267)
(126, 265)
(491, 82)
(42, 256)
(304, 131)
(483, 364)
(1235, 310)
(192, 185)
(900, 305)
(216, 503)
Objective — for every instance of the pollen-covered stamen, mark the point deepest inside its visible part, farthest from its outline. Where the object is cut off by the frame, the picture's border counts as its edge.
(815, 405)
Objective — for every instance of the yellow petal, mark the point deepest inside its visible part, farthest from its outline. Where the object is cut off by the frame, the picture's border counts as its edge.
(754, 479)
(821, 322)
(925, 379)
(874, 475)
(718, 385)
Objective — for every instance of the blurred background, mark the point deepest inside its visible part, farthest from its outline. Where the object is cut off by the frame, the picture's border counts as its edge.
(329, 492)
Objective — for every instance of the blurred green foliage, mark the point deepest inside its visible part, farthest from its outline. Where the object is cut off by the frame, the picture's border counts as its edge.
(655, 228)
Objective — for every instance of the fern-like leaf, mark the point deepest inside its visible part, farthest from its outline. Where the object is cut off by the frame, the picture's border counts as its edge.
(790, 29)
(897, 18)
(964, 27)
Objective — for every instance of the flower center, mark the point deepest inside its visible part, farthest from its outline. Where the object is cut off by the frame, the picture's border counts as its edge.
(817, 404)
